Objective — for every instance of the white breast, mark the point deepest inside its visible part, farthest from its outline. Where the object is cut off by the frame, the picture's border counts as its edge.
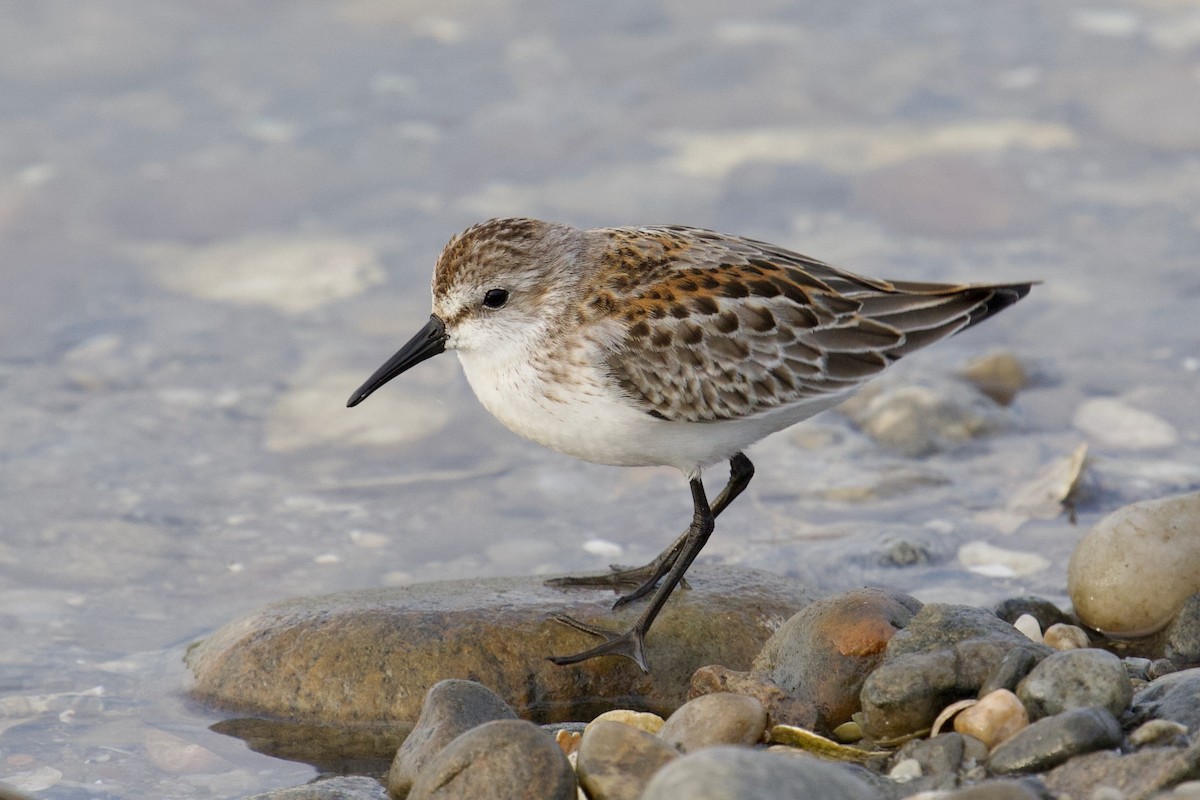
(588, 418)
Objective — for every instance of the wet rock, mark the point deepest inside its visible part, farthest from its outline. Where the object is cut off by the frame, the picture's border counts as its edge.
(1134, 777)
(783, 708)
(642, 720)
(998, 716)
(345, 787)
(1160, 667)
(998, 374)
(616, 761)
(1045, 612)
(1066, 637)
(1053, 740)
(1174, 697)
(916, 420)
(1110, 422)
(1013, 667)
(998, 790)
(945, 654)
(369, 656)
(451, 708)
(825, 652)
(939, 759)
(1076, 679)
(502, 759)
(1182, 636)
(1158, 733)
(732, 773)
(1152, 543)
(715, 719)
(290, 274)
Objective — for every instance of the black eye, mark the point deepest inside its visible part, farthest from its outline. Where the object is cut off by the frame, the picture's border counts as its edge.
(495, 298)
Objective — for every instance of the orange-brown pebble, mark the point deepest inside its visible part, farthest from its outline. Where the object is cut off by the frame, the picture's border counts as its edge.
(997, 716)
(568, 741)
(642, 720)
(1065, 637)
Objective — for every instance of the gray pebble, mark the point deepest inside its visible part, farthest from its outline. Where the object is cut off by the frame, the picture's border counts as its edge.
(1182, 636)
(1045, 612)
(1053, 740)
(736, 773)
(451, 708)
(346, 787)
(940, 758)
(508, 759)
(616, 760)
(1002, 789)
(945, 654)
(1015, 665)
(713, 719)
(1076, 679)
(1174, 697)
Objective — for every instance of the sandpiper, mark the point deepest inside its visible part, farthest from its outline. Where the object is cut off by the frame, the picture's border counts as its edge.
(666, 345)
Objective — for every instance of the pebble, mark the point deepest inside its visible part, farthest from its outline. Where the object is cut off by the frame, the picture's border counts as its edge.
(783, 708)
(1053, 740)
(1158, 732)
(370, 656)
(616, 760)
(1133, 776)
(498, 760)
(1066, 637)
(937, 759)
(1108, 589)
(1046, 613)
(944, 654)
(996, 717)
(642, 720)
(715, 719)
(344, 787)
(1001, 789)
(1182, 637)
(825, 652)
(1072, 679)
(1029, 626)
(736, 773)
(998, 374)
(451, 708)
(1109, 422)
(917, 420)
(1174, 697)
(1013, 667)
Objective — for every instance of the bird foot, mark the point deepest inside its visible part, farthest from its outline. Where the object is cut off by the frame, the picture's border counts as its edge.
(640, 580)
(630, 644)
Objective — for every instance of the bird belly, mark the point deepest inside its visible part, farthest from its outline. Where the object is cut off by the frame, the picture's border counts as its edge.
(591, 420)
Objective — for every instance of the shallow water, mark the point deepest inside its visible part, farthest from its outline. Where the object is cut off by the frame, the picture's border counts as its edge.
(217, 219)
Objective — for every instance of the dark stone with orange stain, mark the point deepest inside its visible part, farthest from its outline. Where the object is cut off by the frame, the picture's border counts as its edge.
(825, 652)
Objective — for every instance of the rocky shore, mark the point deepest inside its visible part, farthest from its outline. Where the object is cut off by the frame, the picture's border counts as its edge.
(757, 690)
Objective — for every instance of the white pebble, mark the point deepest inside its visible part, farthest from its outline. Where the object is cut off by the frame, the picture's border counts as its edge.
(1113, 423)
(906, 770)
(1028, 625)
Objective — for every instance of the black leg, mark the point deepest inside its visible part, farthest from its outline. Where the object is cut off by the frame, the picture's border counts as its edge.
(631, 643)
(643, 579)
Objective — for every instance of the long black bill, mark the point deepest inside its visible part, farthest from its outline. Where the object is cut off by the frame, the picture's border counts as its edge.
(428, 342)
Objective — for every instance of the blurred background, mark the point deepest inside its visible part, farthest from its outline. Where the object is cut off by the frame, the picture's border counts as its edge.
(217, 218)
